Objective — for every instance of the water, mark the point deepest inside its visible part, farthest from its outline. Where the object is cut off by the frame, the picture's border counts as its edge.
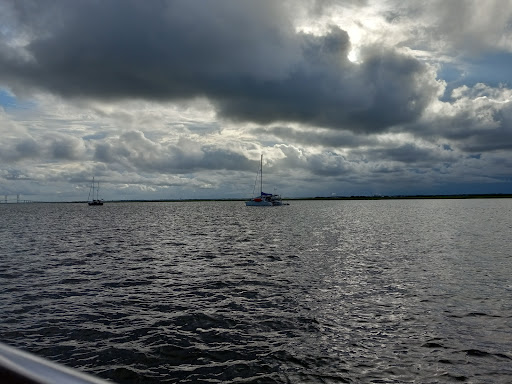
(216, 292)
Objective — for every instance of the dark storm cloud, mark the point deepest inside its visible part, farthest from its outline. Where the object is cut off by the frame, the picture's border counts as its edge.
(326, 89)
(316, 137)
(482, 139)
(162, 49)
(244, 56)
(27, 148)
(412, 154)
(51, 147)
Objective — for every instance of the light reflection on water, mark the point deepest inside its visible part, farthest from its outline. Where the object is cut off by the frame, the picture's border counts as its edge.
(318, 291)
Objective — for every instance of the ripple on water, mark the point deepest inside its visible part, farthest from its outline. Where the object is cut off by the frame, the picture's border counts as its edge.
(327, 292)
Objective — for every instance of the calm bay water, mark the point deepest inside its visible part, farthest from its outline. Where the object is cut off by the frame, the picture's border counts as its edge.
(216, 292)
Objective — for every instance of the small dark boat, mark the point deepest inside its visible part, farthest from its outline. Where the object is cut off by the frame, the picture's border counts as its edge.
(94, 194)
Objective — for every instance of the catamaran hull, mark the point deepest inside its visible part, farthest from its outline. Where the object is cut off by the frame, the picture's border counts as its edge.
(252, 203)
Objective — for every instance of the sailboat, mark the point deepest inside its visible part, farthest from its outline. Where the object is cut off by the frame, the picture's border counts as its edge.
(264, 199)
(93, 198)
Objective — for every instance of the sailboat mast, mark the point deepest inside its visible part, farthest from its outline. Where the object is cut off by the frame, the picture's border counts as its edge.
(261, 175)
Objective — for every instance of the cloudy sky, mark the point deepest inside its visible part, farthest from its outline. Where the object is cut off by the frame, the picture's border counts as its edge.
(178, 99)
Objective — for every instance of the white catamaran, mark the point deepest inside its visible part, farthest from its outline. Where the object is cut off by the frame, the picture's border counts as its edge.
(264, 199)
(93, 198)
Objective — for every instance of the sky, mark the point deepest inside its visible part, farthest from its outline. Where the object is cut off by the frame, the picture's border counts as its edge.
(179, 99)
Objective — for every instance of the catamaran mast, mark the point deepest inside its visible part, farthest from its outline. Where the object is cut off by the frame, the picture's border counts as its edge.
(261, 175)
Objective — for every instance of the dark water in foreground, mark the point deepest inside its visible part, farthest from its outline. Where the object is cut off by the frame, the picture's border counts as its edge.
(216, 292)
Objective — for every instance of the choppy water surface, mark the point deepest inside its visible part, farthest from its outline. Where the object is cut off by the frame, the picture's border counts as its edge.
(318, 291)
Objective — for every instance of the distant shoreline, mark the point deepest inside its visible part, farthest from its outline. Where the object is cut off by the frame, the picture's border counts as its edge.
(320, 198)
(402, 197)
(395, 197)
